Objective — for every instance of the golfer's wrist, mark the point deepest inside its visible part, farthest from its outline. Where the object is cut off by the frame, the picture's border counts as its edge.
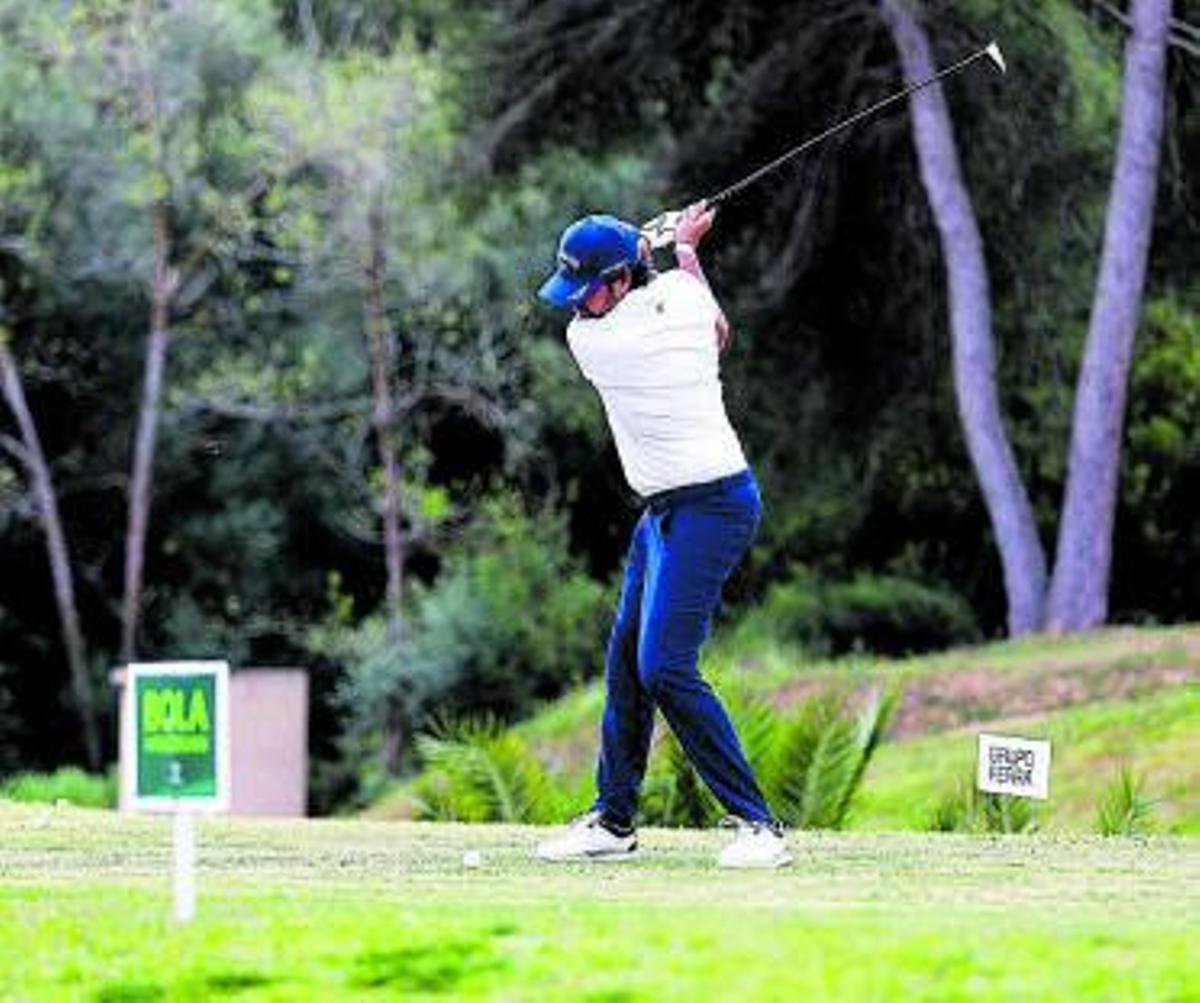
(686, 248)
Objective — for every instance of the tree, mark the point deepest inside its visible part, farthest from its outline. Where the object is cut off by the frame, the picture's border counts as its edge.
(368, 216)
(29, 453)
(1078, 592)
(365, 131)
(1079, 589)
(24, 203)
(974, 354)
(167, 78)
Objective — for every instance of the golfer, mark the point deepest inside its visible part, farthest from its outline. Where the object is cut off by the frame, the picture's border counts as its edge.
(649, 344)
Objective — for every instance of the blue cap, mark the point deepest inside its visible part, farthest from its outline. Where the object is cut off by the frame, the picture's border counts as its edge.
(590, 250)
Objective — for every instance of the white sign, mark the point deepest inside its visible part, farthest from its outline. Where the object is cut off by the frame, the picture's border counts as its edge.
(1017, 766)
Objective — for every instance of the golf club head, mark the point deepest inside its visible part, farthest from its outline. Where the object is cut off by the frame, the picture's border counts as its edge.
(997, 57)
(660, 231)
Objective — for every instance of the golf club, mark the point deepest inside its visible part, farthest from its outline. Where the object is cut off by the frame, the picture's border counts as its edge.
(660, 231)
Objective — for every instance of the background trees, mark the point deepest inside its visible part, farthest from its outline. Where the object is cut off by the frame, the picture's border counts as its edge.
(1079, 591)
(970, 321)
(354, 203)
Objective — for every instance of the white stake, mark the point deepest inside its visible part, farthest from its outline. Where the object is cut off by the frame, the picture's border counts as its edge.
(184, 875)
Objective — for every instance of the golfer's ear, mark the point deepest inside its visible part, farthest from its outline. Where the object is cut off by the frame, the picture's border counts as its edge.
(645, 251)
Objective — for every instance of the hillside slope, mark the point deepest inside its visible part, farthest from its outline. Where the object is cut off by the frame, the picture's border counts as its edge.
(1121, 697)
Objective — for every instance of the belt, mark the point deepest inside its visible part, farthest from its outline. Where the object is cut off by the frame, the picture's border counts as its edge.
(673, 496)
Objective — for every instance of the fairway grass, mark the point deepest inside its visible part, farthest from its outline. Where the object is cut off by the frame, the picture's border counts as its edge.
(322, 910)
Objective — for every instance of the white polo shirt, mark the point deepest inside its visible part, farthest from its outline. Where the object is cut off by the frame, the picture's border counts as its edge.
(653, 359)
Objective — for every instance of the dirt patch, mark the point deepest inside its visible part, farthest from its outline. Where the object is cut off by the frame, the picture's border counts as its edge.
(1129, 664)
(956, 699)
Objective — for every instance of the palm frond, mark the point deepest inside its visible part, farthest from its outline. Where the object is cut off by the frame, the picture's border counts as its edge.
(673, 794)
(821, 754)
(478, 772)
(1125, 810)
(873, 722)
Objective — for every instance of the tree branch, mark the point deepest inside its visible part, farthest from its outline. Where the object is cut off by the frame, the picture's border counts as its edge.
(483, 151)
(1182, 36)
(266, 413)
(17, 451)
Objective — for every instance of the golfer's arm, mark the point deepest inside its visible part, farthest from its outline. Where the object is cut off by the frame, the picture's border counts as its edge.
(689, 261)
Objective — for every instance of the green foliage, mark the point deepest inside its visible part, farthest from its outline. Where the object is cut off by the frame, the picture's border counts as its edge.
(818, 759)
(511, 620)
(1094, 74)
(967, 809)
(809, 761)
(11, 731)
(12, 493)
(1161, 465)
(68, 784)
(1125, 810)
(952, 811)
(477, 771)
(673, 794)
(881, 614)
(1004, 814)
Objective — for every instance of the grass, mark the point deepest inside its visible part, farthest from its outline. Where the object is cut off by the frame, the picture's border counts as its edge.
(1158, 736)
(339, 909)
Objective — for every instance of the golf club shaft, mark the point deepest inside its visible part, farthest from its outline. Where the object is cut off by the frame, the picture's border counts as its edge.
(812, 141)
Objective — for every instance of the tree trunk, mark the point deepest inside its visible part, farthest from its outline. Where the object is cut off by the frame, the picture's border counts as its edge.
(142, 479)
(974, 357)
(382, 351)
(56, 548)
(1079, 590)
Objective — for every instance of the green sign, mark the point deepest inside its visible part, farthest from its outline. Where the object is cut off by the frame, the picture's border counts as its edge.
(178, 724)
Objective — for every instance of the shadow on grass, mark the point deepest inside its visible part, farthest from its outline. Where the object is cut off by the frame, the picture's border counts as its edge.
(217, 984)
(432, 968)
(130, 992)
(227, 983)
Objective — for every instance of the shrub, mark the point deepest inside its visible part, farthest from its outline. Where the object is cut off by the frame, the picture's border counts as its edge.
(1004, 813)
(817, 761)
(69, 784)
(967, 809)
(1125, 810)
(475, 771)
(511, 621)
(883, 614)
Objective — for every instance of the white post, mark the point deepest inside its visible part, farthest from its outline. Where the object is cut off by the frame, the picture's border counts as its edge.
(184, 878)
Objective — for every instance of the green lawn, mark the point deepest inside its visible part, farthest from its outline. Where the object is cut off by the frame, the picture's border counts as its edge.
(369, 910)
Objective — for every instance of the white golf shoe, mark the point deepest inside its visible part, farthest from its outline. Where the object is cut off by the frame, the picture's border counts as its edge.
(587, 839)
(756, 844)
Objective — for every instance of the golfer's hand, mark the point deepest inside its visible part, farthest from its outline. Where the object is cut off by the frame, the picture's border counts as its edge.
(694, 222)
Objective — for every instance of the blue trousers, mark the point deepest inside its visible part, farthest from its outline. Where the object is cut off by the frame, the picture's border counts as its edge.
(684, 547)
